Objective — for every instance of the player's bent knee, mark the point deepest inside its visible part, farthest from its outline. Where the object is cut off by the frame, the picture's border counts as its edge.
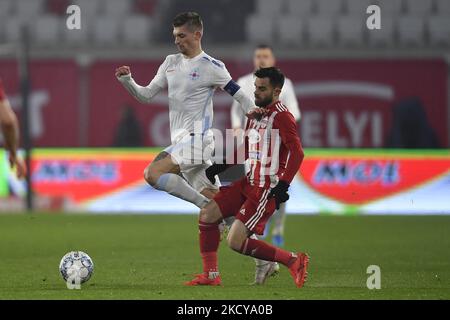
(151, 176)
(210, 213)
(204, 215)
(235, 243)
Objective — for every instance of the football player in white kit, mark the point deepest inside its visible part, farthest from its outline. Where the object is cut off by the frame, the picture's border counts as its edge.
(191, 78)
(263, 57)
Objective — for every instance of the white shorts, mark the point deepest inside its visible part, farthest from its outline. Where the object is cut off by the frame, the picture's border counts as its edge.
(193, 155)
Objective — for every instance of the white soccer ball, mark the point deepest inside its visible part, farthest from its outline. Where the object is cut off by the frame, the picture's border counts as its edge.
(76, 267)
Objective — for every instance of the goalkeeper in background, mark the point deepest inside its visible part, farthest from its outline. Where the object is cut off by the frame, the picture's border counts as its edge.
(10, 130)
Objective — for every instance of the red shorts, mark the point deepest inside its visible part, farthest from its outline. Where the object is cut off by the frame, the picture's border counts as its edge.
(247, 203)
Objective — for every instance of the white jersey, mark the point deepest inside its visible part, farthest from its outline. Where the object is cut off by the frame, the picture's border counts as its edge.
(191, 84)
(247, 84)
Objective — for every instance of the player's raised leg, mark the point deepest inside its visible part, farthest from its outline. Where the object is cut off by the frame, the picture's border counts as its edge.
(162, 174)
(239, 241)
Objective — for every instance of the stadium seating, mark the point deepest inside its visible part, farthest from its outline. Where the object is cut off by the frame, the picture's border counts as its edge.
(269, 7)
(357, 7)
(439, 27)
(419, 8)
(390, 7)
(329, 8)
(411, 30)
(89, 8)
(106, 31)
(351, 30)
(443, 7)
(259, 28)
(321, 31)
(290, 30)
(29, 9)
(5, 8)
(385, 36)
(12, 28)
(81, 37)
(46, 29)
(299, 8)
(117, 8)
(288, 23)
(136, 30)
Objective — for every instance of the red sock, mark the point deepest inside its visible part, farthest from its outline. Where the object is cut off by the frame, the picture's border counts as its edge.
(209, 236)
(264, 251)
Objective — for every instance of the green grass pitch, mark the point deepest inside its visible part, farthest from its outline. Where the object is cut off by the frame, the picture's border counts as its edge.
(150, 256)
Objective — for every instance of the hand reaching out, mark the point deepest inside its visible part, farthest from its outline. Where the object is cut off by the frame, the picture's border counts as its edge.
(257, 113)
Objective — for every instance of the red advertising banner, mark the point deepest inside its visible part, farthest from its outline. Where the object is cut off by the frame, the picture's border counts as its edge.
(371, 103)
(330, 180)
(54, 100)
(109, 100)
(344, 104)
(358, 178)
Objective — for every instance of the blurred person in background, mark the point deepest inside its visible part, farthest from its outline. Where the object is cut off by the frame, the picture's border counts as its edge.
(10, 130)
(410, 126)
(129, 131)
(263, 57)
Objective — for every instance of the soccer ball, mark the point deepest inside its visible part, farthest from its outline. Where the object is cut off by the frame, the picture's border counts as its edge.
(76, 267)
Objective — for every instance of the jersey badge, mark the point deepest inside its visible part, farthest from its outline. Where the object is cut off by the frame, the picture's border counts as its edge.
(194, 75)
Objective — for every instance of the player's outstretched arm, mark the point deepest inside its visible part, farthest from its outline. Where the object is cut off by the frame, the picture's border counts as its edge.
(247, 104)
(10, 130)
(142, 94)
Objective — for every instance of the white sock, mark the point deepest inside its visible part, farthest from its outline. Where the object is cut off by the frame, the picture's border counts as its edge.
(258, 262)
(178, 187)
(278, 219)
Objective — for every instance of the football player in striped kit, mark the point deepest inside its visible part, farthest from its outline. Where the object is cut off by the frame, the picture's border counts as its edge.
(264, 57)
(273, 155)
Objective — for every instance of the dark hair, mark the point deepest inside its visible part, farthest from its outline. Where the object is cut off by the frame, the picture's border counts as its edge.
(263, 46)
(192, 19)
(276, 77)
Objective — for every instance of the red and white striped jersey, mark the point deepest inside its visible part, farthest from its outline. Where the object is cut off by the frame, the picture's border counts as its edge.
(273, 149)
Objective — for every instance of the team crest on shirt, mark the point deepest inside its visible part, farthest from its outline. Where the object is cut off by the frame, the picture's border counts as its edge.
(253, 136)
(264, 122)
(194, 75)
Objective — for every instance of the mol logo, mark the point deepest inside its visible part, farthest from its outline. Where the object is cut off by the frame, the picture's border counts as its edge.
(361, 172)
(358, 180)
